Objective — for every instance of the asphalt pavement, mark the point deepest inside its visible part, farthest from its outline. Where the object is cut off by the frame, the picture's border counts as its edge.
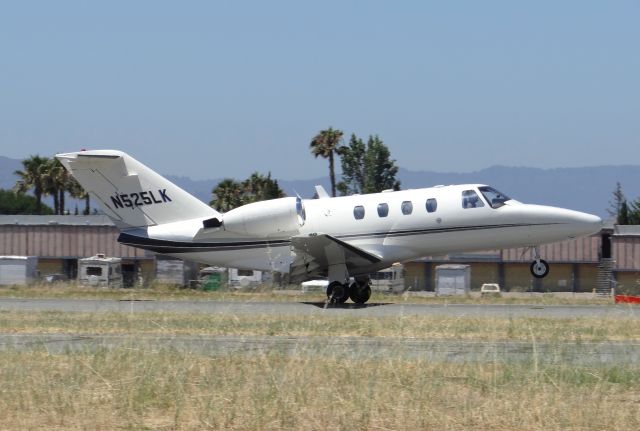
(308, 308)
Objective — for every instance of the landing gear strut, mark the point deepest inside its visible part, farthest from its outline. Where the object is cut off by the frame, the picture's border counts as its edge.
(539, 267)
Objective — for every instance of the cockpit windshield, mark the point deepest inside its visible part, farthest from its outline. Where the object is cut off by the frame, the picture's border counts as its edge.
(494, 197)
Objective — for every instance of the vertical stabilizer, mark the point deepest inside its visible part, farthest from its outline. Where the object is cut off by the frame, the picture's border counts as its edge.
(130, 193)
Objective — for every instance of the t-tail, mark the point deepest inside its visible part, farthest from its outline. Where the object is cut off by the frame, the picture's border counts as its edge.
(130, 193)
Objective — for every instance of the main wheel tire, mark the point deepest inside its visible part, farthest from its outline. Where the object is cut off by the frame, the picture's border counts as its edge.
(359, 294)
(337, 292)
(539, 268)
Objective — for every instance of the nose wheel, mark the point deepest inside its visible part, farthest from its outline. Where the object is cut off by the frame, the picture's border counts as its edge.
(539, 268)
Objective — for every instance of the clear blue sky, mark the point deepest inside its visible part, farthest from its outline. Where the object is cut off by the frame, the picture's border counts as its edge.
(210, 89)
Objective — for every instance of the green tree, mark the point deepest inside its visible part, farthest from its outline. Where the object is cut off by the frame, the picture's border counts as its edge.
(230, 194)
(623, 213)
(259, 188)
(227, 195)
(352, 161)
(77, 192)
(325, 144)
(634, 212)
(56, 183)
(615, 205)
(381, 170)
(20, 203)
(367, 169)
(33, 176)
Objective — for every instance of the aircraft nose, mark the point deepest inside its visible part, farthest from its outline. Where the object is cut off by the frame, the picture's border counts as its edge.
(584, 223)
(555, 224)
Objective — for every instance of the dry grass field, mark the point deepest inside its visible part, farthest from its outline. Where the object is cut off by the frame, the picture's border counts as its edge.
(132, 389)
(136, 387)
(267, 293)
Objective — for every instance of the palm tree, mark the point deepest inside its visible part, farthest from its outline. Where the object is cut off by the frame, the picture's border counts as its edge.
(77, 192)
(32, 176)
(259, 188)
(227, 195)
(56, 181)
(325, 144)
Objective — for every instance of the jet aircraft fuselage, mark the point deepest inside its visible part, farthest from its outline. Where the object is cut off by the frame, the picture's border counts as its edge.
(338, 238)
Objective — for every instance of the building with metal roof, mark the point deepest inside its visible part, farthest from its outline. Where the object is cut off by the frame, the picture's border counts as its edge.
(59, 241)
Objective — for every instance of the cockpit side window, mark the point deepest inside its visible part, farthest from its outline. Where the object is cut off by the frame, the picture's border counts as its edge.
(470, 199)
(494, 197)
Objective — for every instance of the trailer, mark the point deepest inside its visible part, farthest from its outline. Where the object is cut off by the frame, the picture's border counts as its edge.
(18, 270)
(100, 271)
(176, 272)
(240, 278)
(389, 280)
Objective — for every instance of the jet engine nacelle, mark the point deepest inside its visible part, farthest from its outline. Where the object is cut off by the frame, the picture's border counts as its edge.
(266, 218)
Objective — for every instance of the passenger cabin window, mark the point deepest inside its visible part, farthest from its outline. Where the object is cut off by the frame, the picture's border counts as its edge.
(494, 197)
(470, 199)
(358, 212)
(432, 205)
(383, 210)
(407, 207)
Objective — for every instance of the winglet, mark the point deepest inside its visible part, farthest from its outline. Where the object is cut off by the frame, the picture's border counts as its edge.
(321, 192)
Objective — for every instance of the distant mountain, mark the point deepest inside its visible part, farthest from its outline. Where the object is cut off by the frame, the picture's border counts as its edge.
(584, 189)
(7, 168)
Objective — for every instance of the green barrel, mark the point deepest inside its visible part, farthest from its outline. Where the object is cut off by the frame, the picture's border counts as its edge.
(213, 282)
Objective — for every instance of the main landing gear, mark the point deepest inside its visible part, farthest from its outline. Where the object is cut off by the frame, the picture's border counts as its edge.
(539, 268)
(359, 291)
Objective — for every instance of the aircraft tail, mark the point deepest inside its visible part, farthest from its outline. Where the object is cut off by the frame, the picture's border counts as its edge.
(131, 194)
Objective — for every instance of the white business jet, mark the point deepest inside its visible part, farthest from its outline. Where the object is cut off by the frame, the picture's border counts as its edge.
(338, 238)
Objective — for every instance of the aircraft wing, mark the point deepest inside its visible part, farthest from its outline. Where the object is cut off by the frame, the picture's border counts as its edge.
(315, 253)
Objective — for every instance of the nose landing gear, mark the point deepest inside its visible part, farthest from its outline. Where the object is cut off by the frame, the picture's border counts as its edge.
(539, 268)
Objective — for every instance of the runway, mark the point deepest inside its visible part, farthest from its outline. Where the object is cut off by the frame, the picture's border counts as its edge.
(370, 348)
(301, 308)
(452, 351)
(433, 350)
